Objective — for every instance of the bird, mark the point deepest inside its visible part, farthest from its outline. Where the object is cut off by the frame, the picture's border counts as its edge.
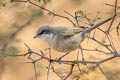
(65, 39)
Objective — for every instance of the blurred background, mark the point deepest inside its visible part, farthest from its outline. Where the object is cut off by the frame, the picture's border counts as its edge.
(18, 25)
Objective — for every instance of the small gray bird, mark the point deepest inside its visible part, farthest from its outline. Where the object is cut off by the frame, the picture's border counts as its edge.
(65, 39)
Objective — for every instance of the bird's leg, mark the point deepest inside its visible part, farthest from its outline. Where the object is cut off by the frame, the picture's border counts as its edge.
(83, 60)
(62, 56)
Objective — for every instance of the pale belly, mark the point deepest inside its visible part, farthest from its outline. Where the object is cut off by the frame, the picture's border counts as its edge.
(66, 45)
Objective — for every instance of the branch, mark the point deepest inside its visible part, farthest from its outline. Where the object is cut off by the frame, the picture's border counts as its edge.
(54, 14)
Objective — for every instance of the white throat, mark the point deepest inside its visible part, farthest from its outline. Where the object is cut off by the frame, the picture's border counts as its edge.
(47, 37)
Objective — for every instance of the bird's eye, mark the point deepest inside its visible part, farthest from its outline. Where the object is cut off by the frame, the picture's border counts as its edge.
(39, 34)
(42, 32)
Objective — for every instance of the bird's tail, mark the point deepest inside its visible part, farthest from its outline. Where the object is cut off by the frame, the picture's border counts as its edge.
(96, 25)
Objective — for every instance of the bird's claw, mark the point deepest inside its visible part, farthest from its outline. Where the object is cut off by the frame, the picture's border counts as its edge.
(59, 60)
(83, 61)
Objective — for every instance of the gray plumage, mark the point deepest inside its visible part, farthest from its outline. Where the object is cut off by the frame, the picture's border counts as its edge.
(65, 39)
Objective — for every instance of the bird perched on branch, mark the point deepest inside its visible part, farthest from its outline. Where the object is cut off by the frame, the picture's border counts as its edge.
(65, 39)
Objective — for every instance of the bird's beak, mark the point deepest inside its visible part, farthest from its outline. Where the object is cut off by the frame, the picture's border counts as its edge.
(35, 37)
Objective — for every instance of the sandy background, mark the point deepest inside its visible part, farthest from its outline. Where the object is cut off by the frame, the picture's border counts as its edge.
(14, 68)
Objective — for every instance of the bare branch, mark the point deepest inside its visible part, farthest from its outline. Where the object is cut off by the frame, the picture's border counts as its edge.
(47, 10)
(72, 66)
(113, 16)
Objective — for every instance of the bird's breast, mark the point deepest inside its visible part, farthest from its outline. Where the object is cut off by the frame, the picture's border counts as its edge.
(64, 45)
(47, 37)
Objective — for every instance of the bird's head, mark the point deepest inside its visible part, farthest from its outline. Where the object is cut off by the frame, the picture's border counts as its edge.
(44, 32)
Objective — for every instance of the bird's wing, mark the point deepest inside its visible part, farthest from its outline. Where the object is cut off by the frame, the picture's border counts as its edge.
(70, 32)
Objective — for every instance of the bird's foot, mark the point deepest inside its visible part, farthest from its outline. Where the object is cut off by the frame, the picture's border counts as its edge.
(83, 61)
(59, 60)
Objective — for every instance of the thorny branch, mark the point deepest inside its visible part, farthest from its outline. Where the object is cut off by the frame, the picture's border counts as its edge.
(67, 62)
(54, 14)
(117, 28)
(112, 5)
(111, 48)
(114, 16)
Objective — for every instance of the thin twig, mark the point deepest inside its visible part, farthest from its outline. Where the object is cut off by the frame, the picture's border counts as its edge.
(35, 71)
(72, 66)
(103, 72)
(112, 5)
(79, 69)
(111, 43)
(48, 11)
(117, 28)
(113, 16)
(48, 70)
